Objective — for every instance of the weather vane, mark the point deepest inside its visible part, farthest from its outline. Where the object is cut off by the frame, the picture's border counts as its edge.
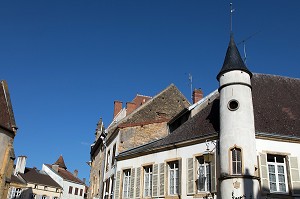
(231, 11)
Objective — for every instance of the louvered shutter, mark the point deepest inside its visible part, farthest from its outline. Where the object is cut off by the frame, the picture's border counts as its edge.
(161, 179)
(264, 176)
(179, 177)
(117, 186)
(155, 181)
(213, 174)
(132, 179)
(190, 176)
(295, 179)
(138, 183)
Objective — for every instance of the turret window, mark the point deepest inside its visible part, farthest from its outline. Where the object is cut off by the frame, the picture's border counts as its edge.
(233, 105)
(236, 161)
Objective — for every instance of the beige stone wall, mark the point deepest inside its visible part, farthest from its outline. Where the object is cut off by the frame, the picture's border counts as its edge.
(132, 137)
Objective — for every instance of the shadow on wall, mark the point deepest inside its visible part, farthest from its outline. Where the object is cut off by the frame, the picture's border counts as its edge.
(26, 194)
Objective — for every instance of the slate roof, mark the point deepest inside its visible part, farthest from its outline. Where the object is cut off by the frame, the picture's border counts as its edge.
(7, 119)
(276, 112)
(233, 60)
(34, 176)
(15, 179)
(60, 162)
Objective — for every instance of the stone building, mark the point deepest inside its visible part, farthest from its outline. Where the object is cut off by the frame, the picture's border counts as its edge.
(240, 141)
(8, 131)
(142, 121)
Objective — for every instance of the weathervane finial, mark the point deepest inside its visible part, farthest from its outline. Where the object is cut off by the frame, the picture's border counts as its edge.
(231, 11)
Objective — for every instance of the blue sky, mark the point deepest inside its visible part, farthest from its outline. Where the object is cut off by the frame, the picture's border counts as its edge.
(66, 61)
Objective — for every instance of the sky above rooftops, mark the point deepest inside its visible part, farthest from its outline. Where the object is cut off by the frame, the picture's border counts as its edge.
(65, 62)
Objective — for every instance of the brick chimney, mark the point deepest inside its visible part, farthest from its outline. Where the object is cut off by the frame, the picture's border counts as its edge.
(21, 164)
(117, 107)
(197, 95)
(130, 106)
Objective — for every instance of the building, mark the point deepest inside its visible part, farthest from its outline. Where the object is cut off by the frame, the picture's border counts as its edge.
(32, 183)
(240, 141)
(8, 130)
(142, 121)
(72, 186)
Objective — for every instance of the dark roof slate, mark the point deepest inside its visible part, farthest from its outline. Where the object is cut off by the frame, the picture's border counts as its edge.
(32, 175)
(7, 119)
(60, 162)
(233, 60)
(276, 111)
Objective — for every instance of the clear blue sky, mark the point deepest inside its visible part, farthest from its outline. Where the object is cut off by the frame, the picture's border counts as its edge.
(66, 61)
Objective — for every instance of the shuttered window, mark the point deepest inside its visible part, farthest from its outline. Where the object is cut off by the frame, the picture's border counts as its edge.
(277, 173)
(173, 178)
(204, 175)
(126, 183)
(147, 181)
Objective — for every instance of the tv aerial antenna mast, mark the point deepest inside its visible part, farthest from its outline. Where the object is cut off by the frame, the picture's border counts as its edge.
(244, 45)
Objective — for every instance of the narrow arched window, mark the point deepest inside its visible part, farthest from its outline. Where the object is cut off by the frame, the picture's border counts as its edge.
(236, 161)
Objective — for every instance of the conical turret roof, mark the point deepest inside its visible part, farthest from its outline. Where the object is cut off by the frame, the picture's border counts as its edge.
(60, 162)
(233, 60)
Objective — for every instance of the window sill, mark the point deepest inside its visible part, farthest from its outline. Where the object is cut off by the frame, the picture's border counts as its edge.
(202, 195)
(173, 197)
(278, 195)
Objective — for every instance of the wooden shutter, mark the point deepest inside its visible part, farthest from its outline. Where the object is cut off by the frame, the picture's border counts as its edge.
(117, 187)
(138, 183)
(179, 177)
(155, 181)
(213, 174)
(264, 175)
(132, 179)
(190, 176)
(295, 179)
(161, 179)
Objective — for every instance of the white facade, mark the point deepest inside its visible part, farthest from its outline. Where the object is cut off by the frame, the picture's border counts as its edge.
(71, 190)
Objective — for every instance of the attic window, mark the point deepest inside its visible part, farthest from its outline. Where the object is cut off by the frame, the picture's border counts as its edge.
(233, 105)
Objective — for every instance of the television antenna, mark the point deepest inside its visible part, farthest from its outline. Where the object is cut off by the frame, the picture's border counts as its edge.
(244, 45)
(191, 84)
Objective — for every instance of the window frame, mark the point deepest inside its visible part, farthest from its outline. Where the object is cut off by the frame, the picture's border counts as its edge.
(70, 190)
(126, 182)
(173, 182)
(207, 174)
(234, 163)
(148, 171)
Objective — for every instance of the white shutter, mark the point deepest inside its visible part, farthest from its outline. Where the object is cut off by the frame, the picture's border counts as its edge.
(161, 179)
(264, 175)
(132, 179)
(213, 174)
(155, 181)
(138, 183)
(295, 179)
(190, 176)
(117, 186)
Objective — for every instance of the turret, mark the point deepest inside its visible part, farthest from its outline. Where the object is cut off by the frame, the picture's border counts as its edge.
(237, 131)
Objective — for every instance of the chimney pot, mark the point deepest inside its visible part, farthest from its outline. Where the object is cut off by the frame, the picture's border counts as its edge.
(75, 173)
(197, 95)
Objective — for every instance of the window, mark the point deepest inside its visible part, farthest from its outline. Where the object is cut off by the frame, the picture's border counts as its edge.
(107, 160)
(35, 186)
(76, 191)
(44, 197)
(70, 189)
(147, 181)
(173, 178)
(81, 191)
(126, 183)
(236, 158)
(45, 188)
(33, 196)
(113, 155)
(203, 174)
(112, 187)
(277, 173)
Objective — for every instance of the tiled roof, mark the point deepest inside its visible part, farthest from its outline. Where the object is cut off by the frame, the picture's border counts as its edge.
(60, 162)
(66, 175)
(7, 119)
(15, 179)
(276, 111)
(32, 175)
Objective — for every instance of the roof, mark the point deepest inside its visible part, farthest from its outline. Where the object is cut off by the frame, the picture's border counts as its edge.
(7, 119)
(66, 175)
(60, 162)
(32, 175)
(233, 60)
(276, 112)
(15, 179)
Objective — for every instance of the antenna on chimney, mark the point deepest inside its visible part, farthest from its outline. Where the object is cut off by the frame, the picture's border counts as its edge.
(191, 84)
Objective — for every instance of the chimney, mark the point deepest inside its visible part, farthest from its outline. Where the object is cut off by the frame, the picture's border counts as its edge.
(197, 95)
(130, 107)
(21, 164)
(75, 173)
(84, 180)
(117, 107)
(55, 167)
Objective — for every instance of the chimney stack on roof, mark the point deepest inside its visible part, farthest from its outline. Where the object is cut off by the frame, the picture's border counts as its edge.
(117, 107)
(197, 95)
(75, 173)
(130, 107)
(21, 164)
(55, 167)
